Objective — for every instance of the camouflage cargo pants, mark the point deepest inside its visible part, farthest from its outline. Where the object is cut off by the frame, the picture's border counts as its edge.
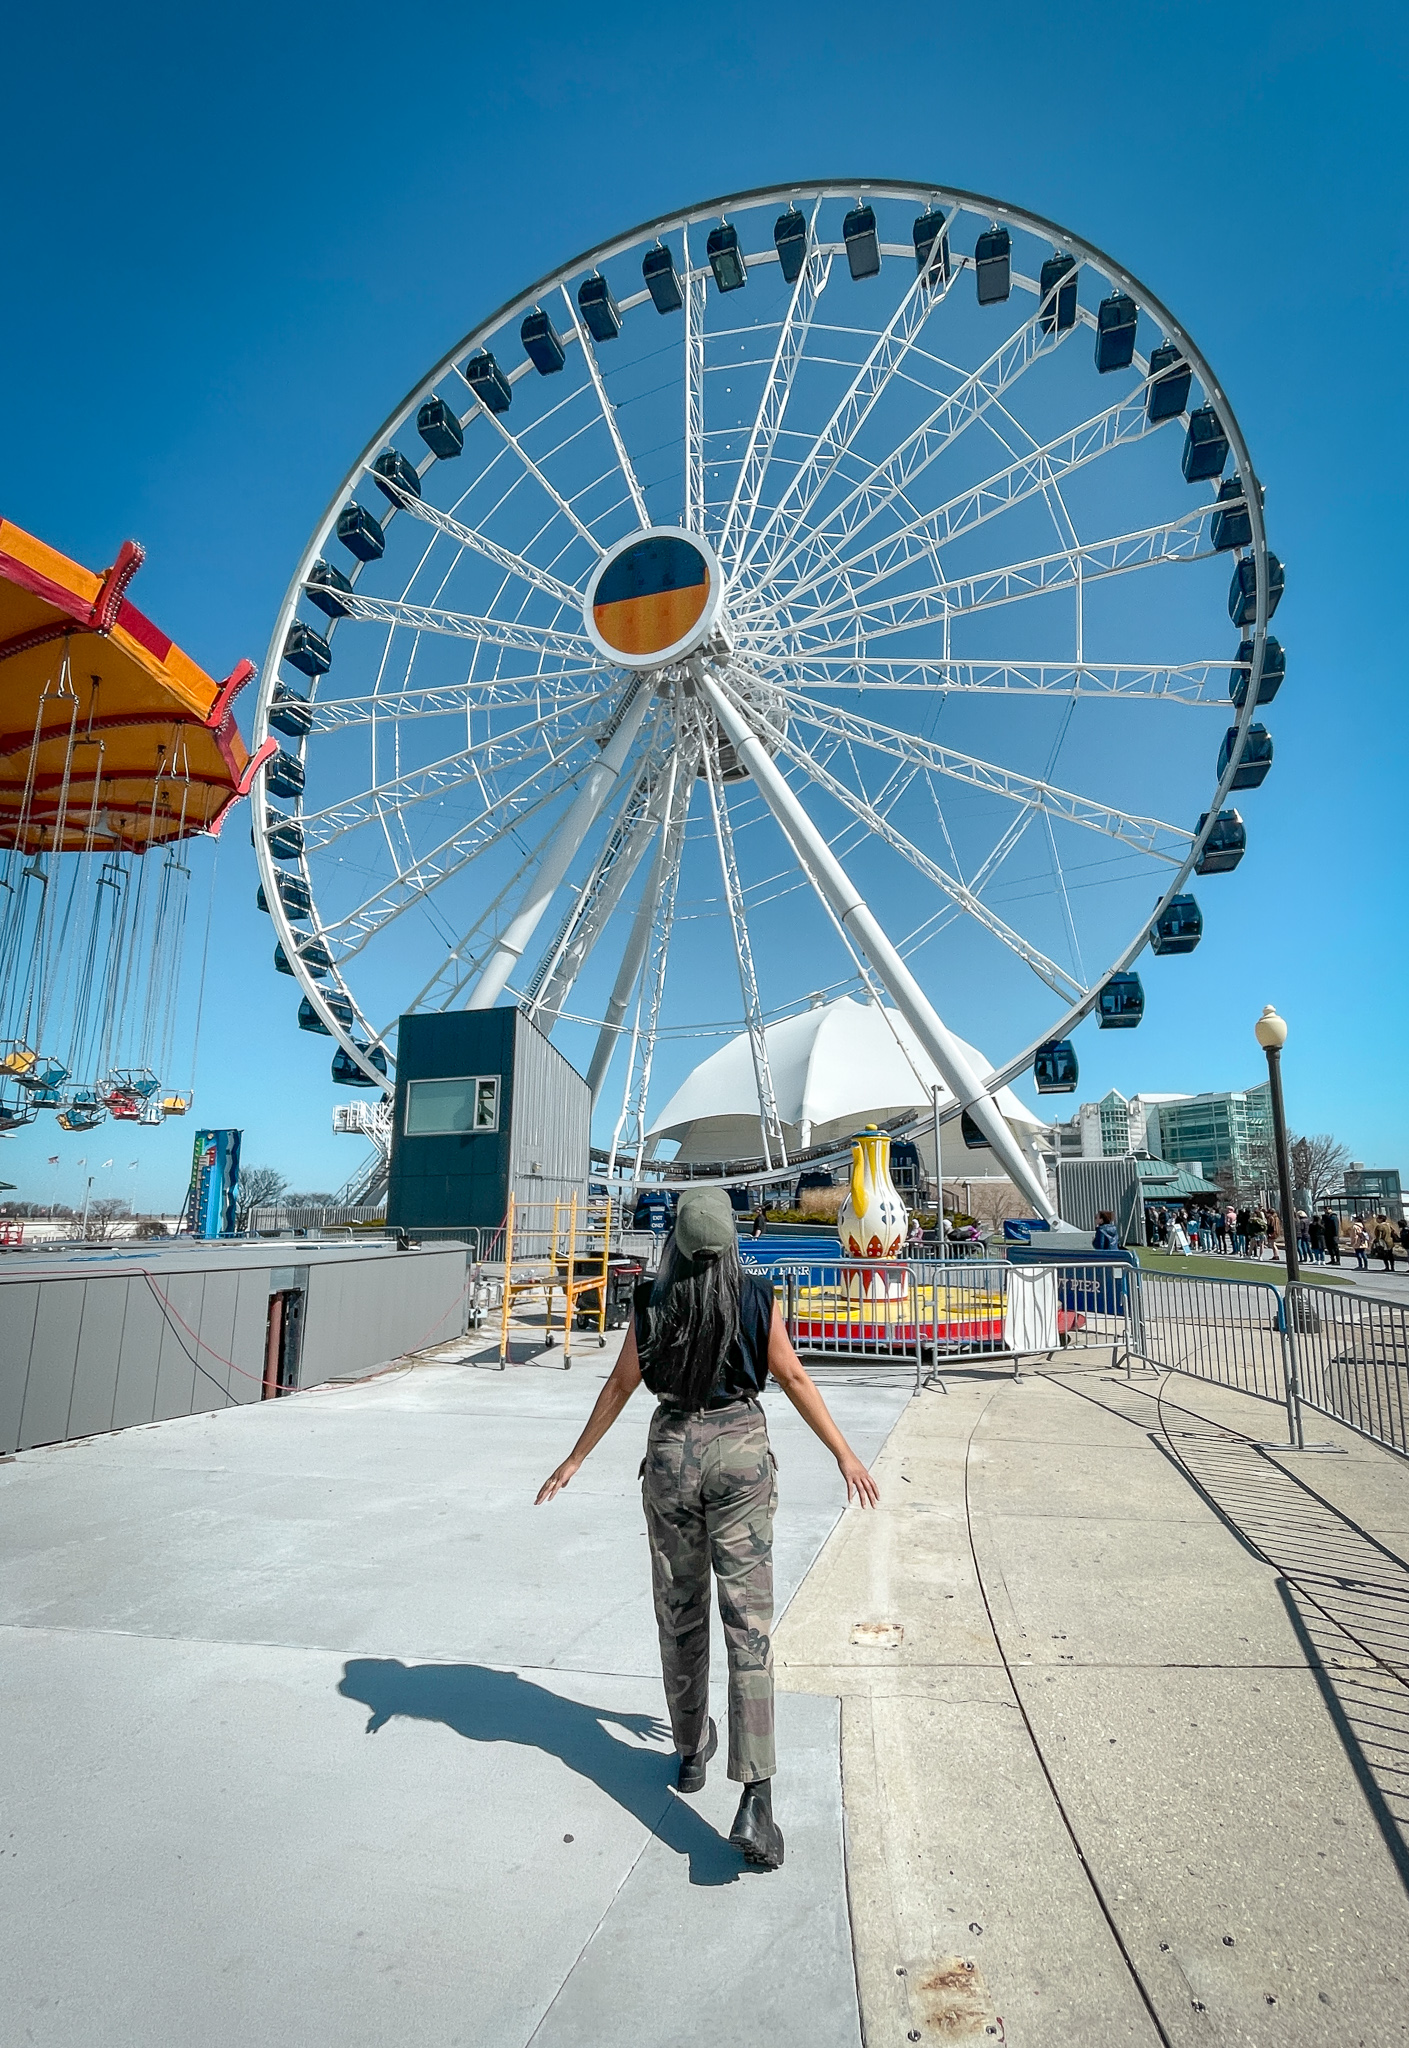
(710, 1487)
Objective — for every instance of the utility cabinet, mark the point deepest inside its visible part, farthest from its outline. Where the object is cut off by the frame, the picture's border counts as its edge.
(485, 1107)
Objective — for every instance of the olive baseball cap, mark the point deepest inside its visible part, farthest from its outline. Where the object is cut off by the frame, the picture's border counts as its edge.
(704, 1222)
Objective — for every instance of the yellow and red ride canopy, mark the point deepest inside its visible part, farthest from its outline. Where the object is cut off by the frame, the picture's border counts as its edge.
(135, 721)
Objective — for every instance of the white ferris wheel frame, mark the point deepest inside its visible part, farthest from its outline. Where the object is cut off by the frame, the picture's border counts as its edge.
(748, 726)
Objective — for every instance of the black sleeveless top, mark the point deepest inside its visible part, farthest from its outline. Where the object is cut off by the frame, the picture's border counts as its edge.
(744, 1371)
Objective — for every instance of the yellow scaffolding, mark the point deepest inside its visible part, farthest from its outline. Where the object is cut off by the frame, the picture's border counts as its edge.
(568, 1262)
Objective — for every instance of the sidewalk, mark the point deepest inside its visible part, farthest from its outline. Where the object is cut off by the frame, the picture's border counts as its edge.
(317, 1734)
(1124, 1776)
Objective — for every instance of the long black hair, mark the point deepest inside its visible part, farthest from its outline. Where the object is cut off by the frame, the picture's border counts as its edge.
(692, 1323)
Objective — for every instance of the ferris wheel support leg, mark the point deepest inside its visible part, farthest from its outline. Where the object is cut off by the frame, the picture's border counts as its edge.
(667, 850)
(557, 859)
(831, 879)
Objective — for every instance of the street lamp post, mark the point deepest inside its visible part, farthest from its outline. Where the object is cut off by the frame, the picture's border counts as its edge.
(1271, 1032)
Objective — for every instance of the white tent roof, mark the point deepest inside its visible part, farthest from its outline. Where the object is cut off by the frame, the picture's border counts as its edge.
(834, 1068)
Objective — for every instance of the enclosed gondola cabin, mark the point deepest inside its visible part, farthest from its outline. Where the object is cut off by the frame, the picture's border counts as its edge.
(993, 265)
(790, 241)
(1057, 294)
(972, 1133)
(1054, 1067)
(360, 533)
(337, 1006)
(1225, 846)
(662, 279)
(601, 315)
(1251, 771)
(863, 248)
(395, 477)
(726, 258)
(440, 429)
(284, 775)
(1116, 320)
(306, 650)
(1274, 669)
(1170, 378)
(348, 1074)
(326, 588)
(931, 238)
(542, 343)
(1232, 528)
(1205, 447)
(1242, 591)
(488, 382)
(1178, 928)
(284, 834)
(1121, 1003)
(290, 714)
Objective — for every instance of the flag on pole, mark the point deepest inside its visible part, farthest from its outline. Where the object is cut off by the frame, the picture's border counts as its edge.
(80, 1162)
(107, 1163)
(54, 1159)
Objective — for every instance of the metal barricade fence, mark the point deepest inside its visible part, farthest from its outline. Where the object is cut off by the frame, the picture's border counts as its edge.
(1352, 1354)
(1231, 1332)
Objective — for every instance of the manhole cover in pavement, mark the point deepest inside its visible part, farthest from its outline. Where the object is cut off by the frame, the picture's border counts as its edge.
(878, 1635)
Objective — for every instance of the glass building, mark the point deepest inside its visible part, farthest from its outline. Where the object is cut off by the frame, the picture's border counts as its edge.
(1231, 1129)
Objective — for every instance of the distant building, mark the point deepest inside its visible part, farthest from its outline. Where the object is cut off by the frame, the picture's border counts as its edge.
(1226, 1129)
(1374, 1189)
(1112, 1128)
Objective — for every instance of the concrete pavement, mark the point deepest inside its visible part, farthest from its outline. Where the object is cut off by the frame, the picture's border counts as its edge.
(316, 1731)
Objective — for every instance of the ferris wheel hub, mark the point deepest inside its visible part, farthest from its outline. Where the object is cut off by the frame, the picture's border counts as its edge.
(654, 598)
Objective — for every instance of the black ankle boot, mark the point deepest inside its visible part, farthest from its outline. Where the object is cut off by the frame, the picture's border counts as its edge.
(755, 1832)
(692, 1768)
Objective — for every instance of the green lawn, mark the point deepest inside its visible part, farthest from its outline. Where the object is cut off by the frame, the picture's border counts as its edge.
(1204, 1267)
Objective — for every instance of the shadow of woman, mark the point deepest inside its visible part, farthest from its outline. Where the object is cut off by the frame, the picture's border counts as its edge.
(485, 1705)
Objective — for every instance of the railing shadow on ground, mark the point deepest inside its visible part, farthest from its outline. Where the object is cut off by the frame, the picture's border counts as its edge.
(486, 1705)
(1346, 1594)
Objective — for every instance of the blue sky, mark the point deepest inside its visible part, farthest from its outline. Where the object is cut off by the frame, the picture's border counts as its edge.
(233, 241)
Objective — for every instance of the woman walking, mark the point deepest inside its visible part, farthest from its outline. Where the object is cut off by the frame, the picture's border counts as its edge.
(704, 1339)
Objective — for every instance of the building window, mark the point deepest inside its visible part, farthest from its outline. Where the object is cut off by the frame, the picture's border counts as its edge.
(458, 1107)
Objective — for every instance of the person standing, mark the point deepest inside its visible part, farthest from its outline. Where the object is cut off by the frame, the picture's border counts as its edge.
(705, 1338)
(1331, 1235)
(1382, 1242)
(1303, 1238)
(1107, 1238)
(1314, 1243)
(1360, 1244)
(1240, 1233)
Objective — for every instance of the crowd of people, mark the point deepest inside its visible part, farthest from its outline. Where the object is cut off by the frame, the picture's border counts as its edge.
(1251, 1233)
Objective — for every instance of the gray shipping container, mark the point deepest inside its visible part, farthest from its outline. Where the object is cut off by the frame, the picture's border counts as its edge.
(1087, 1186)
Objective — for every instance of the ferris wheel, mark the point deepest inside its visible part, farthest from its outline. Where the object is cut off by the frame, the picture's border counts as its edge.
(823, 587)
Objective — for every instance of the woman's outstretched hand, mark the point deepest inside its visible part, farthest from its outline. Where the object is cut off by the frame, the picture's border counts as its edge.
(860, 1486)
(556, 1481)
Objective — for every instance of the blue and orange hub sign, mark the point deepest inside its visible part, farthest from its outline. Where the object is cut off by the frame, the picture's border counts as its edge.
(654, 598)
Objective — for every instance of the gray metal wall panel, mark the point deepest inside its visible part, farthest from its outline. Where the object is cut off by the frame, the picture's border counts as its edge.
(217, 1334)
(177, 1376)
(363, 1313)
(1086, 1186)
(247, 1342)
(19, 1305)
(142, 1326)
(99, 1343)
(49, 1390)
(552, 1114)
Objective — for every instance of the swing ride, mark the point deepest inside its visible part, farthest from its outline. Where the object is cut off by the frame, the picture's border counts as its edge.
(116, 751)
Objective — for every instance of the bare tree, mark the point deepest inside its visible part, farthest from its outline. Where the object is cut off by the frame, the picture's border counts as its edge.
(992, 1202)
(1318, 1164)
(259, 1188)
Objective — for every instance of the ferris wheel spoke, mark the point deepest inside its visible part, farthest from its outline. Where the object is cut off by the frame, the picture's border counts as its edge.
(692, 494)
(1174, 683)
(959, 893)
(770, 1122)
(512, 442)
(657, 899)
(338, 714)
(503, 813)
(811, 282)
(472, 537)
(922, 297)
(1154, 547)
(635, 826)
(884, 482)
(608, 410)
(423, 618)
(1150, 836)
(468, 764)
(922, 538)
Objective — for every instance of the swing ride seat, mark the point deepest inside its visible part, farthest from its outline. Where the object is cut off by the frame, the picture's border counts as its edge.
(127, 709)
